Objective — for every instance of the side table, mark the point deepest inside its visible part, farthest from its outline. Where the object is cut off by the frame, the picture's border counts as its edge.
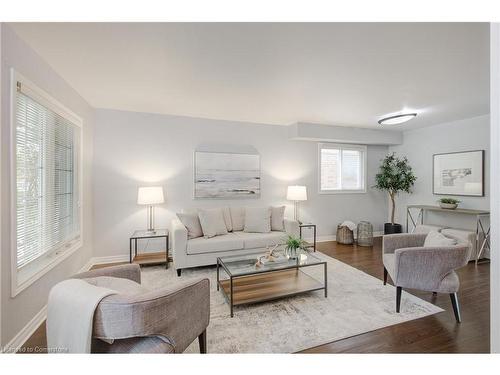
(149, 258)
(313, 227)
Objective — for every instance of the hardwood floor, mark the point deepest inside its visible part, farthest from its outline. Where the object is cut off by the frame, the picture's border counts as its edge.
(438, 333)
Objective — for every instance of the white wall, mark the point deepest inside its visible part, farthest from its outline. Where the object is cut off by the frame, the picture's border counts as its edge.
(17, 312)
(133, 149)
(419, 145)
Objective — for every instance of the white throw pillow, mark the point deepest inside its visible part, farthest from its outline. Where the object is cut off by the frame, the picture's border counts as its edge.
(212, 222)
(257, 219)
(237, 218)
(278, 218)
(192, 224)
(435, 239)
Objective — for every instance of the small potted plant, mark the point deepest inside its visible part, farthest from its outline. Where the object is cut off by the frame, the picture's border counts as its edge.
(448, 203)
(395, 176)
(292, 244)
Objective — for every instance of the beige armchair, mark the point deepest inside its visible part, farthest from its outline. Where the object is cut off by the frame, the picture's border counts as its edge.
(432, 269)
(137, 320)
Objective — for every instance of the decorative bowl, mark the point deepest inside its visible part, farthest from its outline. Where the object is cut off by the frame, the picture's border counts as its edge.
(448, 206)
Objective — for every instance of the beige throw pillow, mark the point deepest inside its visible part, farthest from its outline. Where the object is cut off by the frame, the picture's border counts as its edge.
(257, 219)
(237, 218)
(227, 219)
(212, 222)
(192, 223)
(278, 218)
(435, 239)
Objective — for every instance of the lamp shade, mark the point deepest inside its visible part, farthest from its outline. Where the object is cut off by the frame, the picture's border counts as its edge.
(296, 193)
(150, 195)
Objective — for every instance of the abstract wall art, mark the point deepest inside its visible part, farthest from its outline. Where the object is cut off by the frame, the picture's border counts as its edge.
(459, 173)
(223, 175)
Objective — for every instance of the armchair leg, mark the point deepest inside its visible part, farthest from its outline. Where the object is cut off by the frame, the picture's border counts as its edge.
(179, 272)
(456, 307)
(202, 340)
(385, 276)
(399, 291)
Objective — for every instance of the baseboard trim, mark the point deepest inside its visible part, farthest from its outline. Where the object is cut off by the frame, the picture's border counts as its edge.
(24, 334)
(110, 259)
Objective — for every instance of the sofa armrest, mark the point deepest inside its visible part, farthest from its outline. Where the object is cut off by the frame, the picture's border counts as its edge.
(179, 242)
(124, 271)
(291, 227)
(425, 267)
(391, 242)
(180, 312)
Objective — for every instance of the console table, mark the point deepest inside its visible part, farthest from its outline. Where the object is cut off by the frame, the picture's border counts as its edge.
(479, 214)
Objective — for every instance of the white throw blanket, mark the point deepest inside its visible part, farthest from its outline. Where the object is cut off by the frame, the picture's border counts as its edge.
(348, 224)
(70, 314)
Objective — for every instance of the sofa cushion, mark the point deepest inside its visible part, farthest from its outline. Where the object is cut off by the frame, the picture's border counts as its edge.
(225, 242)
(192, 223)
(237, 218)
(278, 218)
(435, 239)
(212, 222)
(260, 240)
(257, 219)
(118, 284)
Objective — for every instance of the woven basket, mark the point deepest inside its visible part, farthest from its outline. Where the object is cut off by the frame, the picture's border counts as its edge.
(365, 234)
(344, 235)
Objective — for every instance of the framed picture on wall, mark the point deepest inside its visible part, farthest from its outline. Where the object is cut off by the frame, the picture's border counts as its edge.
(459, 173)
(225, 175)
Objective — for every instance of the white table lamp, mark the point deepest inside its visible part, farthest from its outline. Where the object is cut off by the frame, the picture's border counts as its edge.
(296, 194)
(150, 196)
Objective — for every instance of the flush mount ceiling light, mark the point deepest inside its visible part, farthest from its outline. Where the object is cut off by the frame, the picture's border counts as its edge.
(398, 119)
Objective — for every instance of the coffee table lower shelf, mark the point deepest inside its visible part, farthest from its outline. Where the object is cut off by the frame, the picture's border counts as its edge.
(268, 286)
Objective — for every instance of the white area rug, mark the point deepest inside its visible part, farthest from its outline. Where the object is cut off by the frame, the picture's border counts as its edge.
(356, 303)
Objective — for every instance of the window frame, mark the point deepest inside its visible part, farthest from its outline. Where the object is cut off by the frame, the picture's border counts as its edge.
(23, 277)
(341, 147)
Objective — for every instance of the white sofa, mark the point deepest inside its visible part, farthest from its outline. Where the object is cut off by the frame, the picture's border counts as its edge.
(203, 251)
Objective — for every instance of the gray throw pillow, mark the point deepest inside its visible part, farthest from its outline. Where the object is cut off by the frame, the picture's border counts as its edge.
(212, 222)
(257, 219)
(237, 218)
(278, 218)
(192, 223)
(227, 219)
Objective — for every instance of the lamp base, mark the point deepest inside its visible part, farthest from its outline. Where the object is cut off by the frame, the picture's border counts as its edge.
(151, 220)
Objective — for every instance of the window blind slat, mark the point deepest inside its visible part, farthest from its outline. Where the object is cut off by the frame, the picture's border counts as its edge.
(47, 214)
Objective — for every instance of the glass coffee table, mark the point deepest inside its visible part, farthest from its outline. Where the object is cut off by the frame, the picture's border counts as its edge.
(248, 283)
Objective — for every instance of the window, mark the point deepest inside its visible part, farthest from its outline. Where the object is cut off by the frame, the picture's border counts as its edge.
(46, 153)
(342, 168)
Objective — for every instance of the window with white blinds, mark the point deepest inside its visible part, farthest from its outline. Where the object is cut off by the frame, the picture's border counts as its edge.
(47, 182)
(342, 168)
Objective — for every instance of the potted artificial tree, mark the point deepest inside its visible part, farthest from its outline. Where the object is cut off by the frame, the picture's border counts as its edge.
(395, 176)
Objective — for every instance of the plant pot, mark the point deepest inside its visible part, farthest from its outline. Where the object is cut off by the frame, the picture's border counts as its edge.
(292, 253)
(390, 228)
(448, 206)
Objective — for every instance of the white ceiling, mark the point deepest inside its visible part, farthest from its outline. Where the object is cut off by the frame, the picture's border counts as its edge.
(334, 73)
